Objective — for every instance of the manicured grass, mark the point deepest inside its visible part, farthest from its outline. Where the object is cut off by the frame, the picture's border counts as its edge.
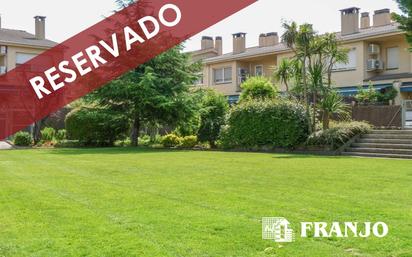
(131, 202)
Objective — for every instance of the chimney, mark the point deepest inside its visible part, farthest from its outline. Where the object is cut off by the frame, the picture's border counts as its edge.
(239, 43)
(382, 17)
(350, 21)
(262, 40)
(219, 45)
(269, 39)
(207, 43)
(272, 39)
(40, 23)
(365, 20)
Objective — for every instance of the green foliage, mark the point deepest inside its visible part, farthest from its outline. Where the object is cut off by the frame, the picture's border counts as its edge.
(405, 19)
(284, 72)
(188, 142)
(94, 126)
(389, 95)
(332, 104)
(338, 134)
(370, 95)
(48, 134)
(155, 92)
(367, 95)
(61, 135)
(212, 116)
(266, 123)
(171, 140)
(68, 144)
(258, 88)
(23, 139)
(145, 140)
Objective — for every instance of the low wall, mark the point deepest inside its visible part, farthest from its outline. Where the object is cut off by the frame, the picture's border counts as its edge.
(379, 116)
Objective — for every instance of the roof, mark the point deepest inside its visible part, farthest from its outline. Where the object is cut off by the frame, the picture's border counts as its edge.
(371, 32)
(20, 37)
(202, 51)
(279, 48)
(250, 52)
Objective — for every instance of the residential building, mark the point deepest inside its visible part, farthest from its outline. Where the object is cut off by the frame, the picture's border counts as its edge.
(16, 48)
(378, 52)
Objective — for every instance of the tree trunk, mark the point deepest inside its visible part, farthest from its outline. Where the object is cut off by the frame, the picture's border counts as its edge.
(314, 110)
(325, 120)
(329, 80)
(37, 130)
(134, 135)
(305, 94)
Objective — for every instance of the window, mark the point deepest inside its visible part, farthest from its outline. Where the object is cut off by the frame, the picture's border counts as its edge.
(352, 62)
(259, 70)
(392, 58)
(222, 76)
(22, 58)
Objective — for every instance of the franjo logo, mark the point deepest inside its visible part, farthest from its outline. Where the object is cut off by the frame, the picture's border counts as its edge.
(278, 229)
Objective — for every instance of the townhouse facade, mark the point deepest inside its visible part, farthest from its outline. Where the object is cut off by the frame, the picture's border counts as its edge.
(378, 53)
(16, 48)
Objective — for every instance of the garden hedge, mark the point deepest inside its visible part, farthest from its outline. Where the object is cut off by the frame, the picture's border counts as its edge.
(93, 126)
(274, 123)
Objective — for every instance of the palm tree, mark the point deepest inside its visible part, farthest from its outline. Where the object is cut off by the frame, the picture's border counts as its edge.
(334, 54)
(299, 40)
(332, 104)
(284, 72)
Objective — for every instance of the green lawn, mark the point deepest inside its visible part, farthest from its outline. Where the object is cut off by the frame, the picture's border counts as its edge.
(125, 202)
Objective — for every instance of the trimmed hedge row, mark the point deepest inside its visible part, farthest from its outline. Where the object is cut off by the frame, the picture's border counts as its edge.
(275, 123)
(338, 134)
(98, 127)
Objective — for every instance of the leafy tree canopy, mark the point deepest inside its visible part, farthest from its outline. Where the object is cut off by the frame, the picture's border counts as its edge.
(405, 19)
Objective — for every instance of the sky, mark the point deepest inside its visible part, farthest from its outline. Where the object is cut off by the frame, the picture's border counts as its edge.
(67, 18)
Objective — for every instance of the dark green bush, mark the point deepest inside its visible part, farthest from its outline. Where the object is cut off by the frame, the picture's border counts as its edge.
(213, 110)
(338, 134)
(171, 140)
(23, 139)
(97, 127)
(47, 134)
(268, 123)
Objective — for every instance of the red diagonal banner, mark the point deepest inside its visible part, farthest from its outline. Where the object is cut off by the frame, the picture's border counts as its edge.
(102, 53)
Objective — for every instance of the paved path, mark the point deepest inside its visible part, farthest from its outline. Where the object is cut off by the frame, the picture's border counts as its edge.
(5, 146)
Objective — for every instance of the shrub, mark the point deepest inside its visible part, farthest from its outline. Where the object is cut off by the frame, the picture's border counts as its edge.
(68, 144)
(98, 127)
(267, 123)
(47, 134)
(367, 96)
(339, 134)
(212, 117)
(23, 139)
(60, 135)
(258, 88)
(188, 142)
(171, 140)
